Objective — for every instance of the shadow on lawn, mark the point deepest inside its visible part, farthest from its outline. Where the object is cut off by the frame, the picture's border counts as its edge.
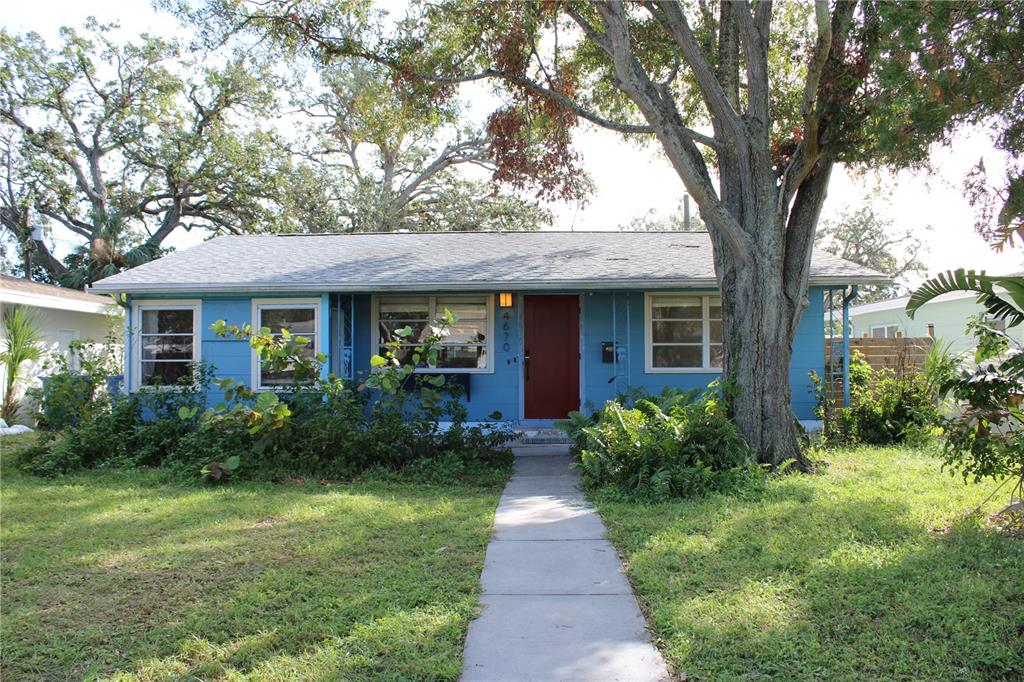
(173, 582)
(802, 586)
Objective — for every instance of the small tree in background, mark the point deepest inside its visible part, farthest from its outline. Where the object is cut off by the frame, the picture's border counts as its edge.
(23, 342)
(862, 236)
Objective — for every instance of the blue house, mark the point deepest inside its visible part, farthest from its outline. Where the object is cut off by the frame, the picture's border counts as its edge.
(548, 321)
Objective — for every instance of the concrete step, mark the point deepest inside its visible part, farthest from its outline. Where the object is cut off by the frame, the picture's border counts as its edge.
(542, 436)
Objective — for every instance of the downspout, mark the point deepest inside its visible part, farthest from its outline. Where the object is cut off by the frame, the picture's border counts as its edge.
(629, 334)
(614, 381)
(846, 344)
(351, 369)
(126, 383)
(325, 334)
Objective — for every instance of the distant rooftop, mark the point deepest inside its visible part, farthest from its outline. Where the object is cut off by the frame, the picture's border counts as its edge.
(407, 261)
(24, 292)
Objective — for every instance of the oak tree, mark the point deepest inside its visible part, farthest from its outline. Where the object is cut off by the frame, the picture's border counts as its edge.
(378, 161)
(863, 236)
(752, 103)
(122, 144)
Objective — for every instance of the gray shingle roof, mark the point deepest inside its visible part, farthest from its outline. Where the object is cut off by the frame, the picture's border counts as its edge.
(447, 261)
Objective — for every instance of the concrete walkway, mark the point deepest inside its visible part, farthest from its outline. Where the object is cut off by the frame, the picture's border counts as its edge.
(556, 604)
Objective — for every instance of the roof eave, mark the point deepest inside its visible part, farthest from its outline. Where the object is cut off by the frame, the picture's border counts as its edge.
(54, 302)
(526, 285)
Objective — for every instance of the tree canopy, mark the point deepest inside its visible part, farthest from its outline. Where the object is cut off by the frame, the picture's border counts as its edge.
(380, 161)
(862, 236)
(752, 103)
(122, 144)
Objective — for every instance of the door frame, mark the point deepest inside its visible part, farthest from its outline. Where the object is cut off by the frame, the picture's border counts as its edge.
(521, 350)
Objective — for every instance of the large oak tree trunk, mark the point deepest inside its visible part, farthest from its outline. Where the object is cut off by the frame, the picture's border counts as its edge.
(758, 323)
(763, 300)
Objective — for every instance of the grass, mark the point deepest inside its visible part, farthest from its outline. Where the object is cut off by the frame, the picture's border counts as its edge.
(126, 576)
(871, 569)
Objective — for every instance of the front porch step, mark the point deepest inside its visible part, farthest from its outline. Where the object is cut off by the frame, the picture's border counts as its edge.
(542, 436)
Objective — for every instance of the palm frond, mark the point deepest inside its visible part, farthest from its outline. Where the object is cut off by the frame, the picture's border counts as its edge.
(24, 342)
(997, 304)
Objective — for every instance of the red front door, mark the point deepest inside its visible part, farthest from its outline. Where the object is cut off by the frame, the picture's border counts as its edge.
(551, 368)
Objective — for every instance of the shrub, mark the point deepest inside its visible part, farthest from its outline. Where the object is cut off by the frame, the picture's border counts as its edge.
(69, 396)
(651, 453)
(318, 427)
(885, 408)
(890, 408)
(23, 343)
(985, 438)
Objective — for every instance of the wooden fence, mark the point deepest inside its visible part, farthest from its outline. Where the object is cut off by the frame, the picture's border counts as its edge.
(901, 355)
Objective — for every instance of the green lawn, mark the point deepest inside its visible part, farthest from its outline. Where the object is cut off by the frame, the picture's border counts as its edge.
(869, 570)
(125, 576)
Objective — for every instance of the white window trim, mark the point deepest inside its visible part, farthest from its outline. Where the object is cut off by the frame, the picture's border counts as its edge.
(195, 305)
(489, 298)
(73, 359)
(649, 367)
(259, 304)
(885, 328)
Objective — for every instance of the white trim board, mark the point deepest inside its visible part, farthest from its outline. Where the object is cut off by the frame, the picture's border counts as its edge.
(135, 335)
(258, 304)
(375, 330)
(648, 336)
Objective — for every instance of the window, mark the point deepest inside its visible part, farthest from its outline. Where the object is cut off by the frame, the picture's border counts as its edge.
(301, 317)
(683, 333)
(995, 323)
(465, 349)
(887, 331)
(166, 342)
(65, 337)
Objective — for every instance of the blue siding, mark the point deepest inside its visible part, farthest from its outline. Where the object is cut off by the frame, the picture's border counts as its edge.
(808, 354)
(606, 316)
(496, 391)
(230, 357)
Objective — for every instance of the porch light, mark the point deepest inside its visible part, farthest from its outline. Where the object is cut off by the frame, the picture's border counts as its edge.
(505, 299)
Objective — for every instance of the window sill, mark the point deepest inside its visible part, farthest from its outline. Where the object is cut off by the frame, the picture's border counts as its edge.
(683, 370)
(454, 370)
(164, 389)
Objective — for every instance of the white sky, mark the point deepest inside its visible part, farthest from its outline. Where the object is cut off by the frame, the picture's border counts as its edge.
(630, 180)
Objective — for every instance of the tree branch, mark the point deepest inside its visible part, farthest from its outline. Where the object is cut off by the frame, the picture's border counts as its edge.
(755, 47)
(673, 19)
(660, 110)
(76, 226)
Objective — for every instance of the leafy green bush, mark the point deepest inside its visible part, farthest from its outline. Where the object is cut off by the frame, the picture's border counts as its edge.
(677, 444)
(985, 437)
(73, 391)
(886, 408)
(318, 427)
(891, 408)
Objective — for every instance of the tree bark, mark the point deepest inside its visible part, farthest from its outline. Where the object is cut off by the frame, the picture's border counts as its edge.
(757, 320)
(763, 301)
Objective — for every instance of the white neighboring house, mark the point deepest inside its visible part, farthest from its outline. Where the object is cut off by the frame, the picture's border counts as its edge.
(944, 317)
(63, 315)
